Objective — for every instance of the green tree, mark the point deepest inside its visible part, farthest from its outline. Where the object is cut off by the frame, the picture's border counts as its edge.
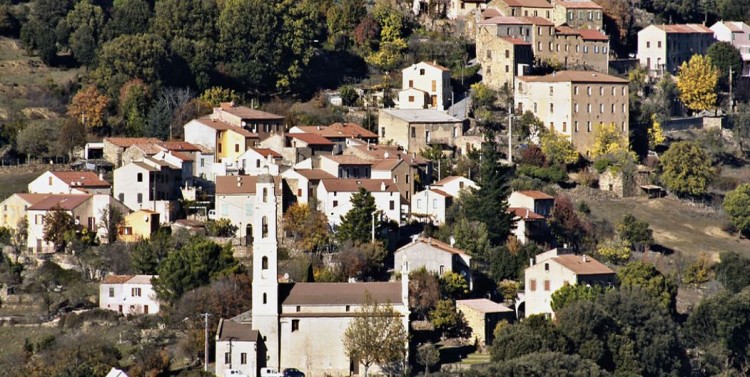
(535, 334)
(221, 228)
(569, 294)
(147, 255)
(38, 33)
(646, 277)
(473, 238)
(134, 102)
(349, 96)
(697, 81)
(89, 107)
(546, 364)
(489, 203)
(214, 96)
(127, 57)
(614, 250)
(724, 56)
(446, 319)
(110, 218)
(37, 140)
(636, 232)
(193, 265)
(128, 17)
(376, 336)
(558, 149)
(687, 169)
(608, 140)
(342, 18)
(356, 225)
(85, 24)
(453, 285)
(737, 206)
(731, 271)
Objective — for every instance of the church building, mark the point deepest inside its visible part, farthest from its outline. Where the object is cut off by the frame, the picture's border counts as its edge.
(295, 325)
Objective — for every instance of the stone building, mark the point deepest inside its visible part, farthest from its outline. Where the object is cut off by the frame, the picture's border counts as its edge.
(578, 14)
(482, 316)
(502, 57)
(419, 129)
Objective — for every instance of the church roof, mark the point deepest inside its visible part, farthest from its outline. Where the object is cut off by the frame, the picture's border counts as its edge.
(342, 293)
(236, 331)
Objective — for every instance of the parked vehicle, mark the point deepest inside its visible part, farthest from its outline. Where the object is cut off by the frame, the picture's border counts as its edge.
(292, 372)
(270, 372)
(234, 373)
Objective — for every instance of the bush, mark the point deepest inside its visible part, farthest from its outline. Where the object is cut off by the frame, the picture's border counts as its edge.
(586, 178)
(698, 272)
(601, 165)
(554, 173)
(220, 228)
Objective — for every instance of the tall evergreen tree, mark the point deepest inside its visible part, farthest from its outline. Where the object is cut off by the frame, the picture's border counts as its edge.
(356, 224)
(489, 203)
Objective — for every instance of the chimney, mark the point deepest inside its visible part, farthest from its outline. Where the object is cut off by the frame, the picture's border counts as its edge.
(584, 259)
(232, 104)
(101, 176)
(400, 157)
(382, 186)
(453, 241)
(531, 262)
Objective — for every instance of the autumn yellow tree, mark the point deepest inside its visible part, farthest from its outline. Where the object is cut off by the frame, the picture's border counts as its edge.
(558, 149)
(89, 106)
(307, 226)
(214, 96)
(655, 133)
(608, 140)
(697, 82)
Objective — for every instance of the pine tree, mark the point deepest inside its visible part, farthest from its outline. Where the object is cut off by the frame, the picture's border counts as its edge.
(356, 224)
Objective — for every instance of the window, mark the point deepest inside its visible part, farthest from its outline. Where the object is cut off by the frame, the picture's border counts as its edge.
(348, 308)
(138, 177)
(411, 98)
(236, 148)
(265, 298)
(489, 54)
(243, 358)
(406, 177)
(613, 108)
(571, 15)
(551, 90)
(419, 203)
(576, 126)
(298, 308)
(601, 108)
(551, 108)
(550, 46)
(411, 83)
(111, 292)
(227, 358)
(392, 205)
(575, 107)
(624, 110)
(534, 106)
(565, 126)
(546, 267)
(434, 85)
(539, 46)
(139, 198)
(623, 92)
(219, 145)
(135, 292)
(546, 285)
(552, 126)
(532, 285)
(257, 163)
(421, 72)
(575, 90)
(442, 269)
(413, 132)
(658, 44)
(591, 16)
(203, 162)
(507, 68)
(121, 197)
(588, 126)
(601, 90)
(578, 48)
(49, 180)
(295, 325)
(648, 44)
(460, 185)
(585, 49)
(382, 131)
(434, 203)
(588, 108)
(604, 49)
(264, 227)
(588, 90)
(335, 203)
(623, 126)
(264, 263)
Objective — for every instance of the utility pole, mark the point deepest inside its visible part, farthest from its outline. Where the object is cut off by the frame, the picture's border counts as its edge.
(373, 228)
(731, 99)
(510, 133)
(205, 341)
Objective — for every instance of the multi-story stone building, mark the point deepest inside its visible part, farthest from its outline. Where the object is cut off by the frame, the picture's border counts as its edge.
(578, 14)
(574, 102)
(582, 49)
(526, 8)
(502, 57)
(419, 129)
(663, 48)
(738, 34)
(462, 8)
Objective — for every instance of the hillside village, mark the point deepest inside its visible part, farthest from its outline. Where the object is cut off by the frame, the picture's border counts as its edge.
(352, 188)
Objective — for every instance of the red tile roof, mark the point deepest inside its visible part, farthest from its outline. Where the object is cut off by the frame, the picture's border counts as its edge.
(338, 130)
(353, 185)
(80, 178)
(583, 265)
(447, 179)
(491, 12)
(32, 198)
(341, 293)
(116, 279)
(248, 113)
(179, 145)
(435, 65)
(441, 192)
(311, 139)
(534, 194)
(525, 214)
(265, 152)
(503, 20)
(64, 201)
(232, 331)
(592, 35)
(125, 142)
(537, 21)
(243, 132)
(686, 29)
(314, 173)
(347, 160)
(389, 164)
(516, 41)
(578, 4)
(183, 156)
(241, 184)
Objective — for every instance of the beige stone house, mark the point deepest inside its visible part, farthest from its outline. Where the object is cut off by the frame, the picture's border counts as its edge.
(526, 8)
(419, 129)
(574, 102)
(552, 270)
(578, 14)
(115, 146)
(582, 49)
(502, 57)
(663, 48)
(482, 316)
(435, 257)
(463, 8)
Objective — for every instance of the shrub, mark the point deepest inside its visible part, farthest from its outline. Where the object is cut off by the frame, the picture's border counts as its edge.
(586, 178)
(698, 272)
(601, 165)
(554, 173)
(220, 228)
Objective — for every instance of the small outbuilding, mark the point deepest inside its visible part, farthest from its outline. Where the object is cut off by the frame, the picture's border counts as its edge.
(483, 315)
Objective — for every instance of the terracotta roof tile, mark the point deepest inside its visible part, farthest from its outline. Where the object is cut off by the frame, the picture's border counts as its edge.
(592, 35)
(32, 198)
(338, 130)
(125, 142)
(341, 293)
(228, 184)
(116, 279)
(242, 332)
(535, 194)
(315, 174)
(389, 164)
(528, 3)
(578, 4)
(311, 138)
(64, 201)
(447, 179)
(81, 178)
(441, 192)
(179, 145)
(442, 246)
(248, 113)
(347, 160)
(525, 214)
(685, 29)
(575, 76)
(435, 65)
(577, 264)
(537, 21)
(353, 185)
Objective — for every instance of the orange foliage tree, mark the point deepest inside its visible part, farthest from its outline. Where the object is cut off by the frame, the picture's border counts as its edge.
(89, 107)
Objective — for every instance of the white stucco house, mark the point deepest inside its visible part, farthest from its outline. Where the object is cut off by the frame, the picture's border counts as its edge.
(235, 196)
(738, 34)
(425, 86)
(303, 183)
(663, 48)
(257, 161)
(233, 340)
(434, 256)
(530, 209)
(69, 182)
(128, 294)
(334, 197)
(431, 205)
(553, 269)
(149, 184)
(455, 185)
(299, 325)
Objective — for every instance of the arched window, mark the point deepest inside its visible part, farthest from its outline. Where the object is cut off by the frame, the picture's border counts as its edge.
(264, 263)
(265, 195)
(264, 227)
(139, 177)
(265, 298)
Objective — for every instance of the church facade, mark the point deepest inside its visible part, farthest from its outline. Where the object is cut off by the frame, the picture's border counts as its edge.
(296, 325)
